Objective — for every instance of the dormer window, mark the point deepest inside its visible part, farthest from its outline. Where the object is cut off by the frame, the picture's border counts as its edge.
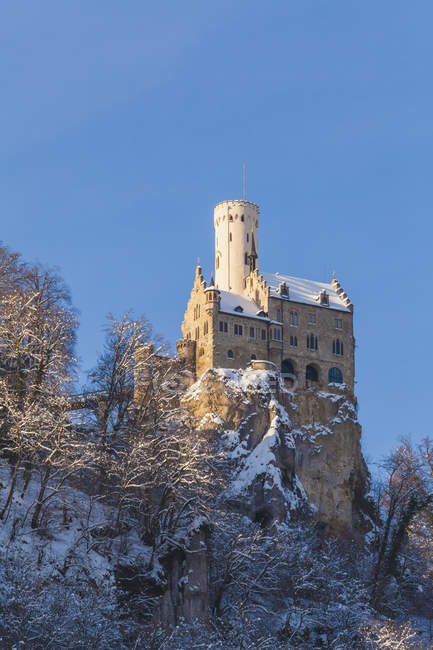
(323, 298)
(283, 290)
(239, 309)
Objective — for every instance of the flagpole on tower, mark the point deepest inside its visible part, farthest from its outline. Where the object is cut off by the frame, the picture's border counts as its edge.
(244, 178)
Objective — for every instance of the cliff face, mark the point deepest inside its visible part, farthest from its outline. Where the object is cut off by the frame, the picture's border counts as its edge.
(285, 450)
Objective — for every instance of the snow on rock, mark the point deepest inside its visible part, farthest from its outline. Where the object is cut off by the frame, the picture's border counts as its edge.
(285, 448)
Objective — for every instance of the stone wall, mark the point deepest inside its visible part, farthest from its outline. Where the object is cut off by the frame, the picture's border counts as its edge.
(201, 323)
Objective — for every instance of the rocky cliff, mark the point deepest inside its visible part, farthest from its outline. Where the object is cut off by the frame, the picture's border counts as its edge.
(287, 450)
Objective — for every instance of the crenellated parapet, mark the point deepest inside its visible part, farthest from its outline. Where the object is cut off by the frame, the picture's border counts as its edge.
(186, 351)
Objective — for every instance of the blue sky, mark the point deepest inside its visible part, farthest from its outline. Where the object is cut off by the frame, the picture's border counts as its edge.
(122, 124)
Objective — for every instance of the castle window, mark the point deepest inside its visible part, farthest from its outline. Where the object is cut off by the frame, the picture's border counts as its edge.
(238, 330)
(231, 217)
(338, 324)
(293, 341)
(239, 309)
(253, 357)
(293, 319)
(335, 376)
(337, 347)
(197, 333)
(242, 218)
(279, 314)
(312, 318)
(311, 374)
(230, 354)
(206, 327)
(230, 236)
(251, 332)
(263, 335)
(277, 334)
(223, 326)
(201, 352)
(287, 367)
(248, 238)
(312, 342)
(217, 262)
(245, 259)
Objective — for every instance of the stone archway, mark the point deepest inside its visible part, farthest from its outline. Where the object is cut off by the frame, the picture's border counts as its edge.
(311, 375)
(288, 372)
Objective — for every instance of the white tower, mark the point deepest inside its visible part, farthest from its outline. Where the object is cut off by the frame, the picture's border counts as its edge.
(236, 243)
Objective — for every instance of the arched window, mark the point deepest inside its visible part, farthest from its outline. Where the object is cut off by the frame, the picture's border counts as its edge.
(217, 262)
(205, 327)
(287, 367)
(246, 258)
(311, 374)
(253, 357)
(242, 218)
(293, 319)
(312, 343)
(230, 236)
(230, 354)
(248, 238)
(335, 376)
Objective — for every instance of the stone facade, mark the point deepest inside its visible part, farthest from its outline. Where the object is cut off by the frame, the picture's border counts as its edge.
(304, 327)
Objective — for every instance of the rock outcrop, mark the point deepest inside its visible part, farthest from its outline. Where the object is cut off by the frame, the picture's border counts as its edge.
(286, 449)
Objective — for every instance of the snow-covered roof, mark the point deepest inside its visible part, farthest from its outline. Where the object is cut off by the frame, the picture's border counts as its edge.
(229, 302)
(301, 290)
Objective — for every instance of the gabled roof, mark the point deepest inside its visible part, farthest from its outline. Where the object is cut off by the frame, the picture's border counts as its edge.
(305, 291)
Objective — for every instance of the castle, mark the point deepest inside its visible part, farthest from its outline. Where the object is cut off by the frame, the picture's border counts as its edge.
(247, 317)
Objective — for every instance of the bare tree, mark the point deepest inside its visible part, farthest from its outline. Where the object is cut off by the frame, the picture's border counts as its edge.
(127, 339)
(405, 496)
(37, 335)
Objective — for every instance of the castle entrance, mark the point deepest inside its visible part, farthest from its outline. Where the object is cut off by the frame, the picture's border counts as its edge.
(288, 373)
(311, 375)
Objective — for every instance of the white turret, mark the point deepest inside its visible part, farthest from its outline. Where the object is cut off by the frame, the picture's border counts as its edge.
(236, 243)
